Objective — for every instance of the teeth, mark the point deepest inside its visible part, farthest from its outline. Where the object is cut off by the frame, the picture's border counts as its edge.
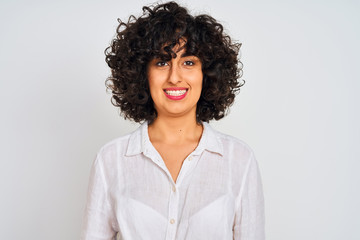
(175, 93)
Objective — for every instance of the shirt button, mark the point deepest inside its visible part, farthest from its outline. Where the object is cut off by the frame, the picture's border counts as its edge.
(172, 221)
(173, 188)
(190, 158)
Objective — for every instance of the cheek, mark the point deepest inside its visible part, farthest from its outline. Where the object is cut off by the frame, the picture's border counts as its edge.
(198, 79)
(151, 81)
(152, 89)
(155, 79)
(155, 87)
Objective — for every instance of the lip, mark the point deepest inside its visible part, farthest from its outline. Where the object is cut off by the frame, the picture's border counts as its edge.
(175, 89)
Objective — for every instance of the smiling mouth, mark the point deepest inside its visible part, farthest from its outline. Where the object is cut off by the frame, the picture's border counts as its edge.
(175, 93)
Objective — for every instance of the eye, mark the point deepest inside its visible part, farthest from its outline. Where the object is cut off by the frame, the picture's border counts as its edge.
(161, 63)
(189, 63)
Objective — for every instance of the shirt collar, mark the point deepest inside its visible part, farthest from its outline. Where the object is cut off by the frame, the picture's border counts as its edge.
(139, 141)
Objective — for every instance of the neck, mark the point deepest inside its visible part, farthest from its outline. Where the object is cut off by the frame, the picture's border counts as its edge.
(175, 130)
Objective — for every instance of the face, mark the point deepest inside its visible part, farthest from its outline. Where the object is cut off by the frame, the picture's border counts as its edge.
(175, 85)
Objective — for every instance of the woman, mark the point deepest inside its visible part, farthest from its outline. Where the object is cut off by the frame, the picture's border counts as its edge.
(174, 177)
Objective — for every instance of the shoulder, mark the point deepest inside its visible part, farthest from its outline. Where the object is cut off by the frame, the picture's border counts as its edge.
(240, 159)
(233, 145)
(115, 144)
(119, 147)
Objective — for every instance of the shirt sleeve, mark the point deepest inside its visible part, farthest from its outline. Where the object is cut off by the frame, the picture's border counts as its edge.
(250, 215)
(99, 217)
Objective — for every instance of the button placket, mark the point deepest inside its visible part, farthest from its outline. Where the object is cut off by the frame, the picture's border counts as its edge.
(173, 213)
(187, 165)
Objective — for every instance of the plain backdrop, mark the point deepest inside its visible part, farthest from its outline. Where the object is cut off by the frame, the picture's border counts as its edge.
(299, 110)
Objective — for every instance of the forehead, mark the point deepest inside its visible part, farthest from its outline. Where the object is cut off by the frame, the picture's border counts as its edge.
(170, 50)
(175, 46)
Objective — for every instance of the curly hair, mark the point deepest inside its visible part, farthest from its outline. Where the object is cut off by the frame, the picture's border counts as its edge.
(154, 35)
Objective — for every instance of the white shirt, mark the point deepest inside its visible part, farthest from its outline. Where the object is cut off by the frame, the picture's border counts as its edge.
(217, 195)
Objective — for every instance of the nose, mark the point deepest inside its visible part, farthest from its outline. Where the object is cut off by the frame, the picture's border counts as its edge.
(175, 74)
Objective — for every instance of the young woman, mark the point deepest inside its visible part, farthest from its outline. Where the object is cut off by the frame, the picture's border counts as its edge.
(174, 177)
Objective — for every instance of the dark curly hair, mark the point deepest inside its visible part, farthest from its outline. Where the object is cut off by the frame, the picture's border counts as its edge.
(153, 35)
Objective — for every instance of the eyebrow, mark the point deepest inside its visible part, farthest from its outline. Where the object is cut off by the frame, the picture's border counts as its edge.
(185, 54)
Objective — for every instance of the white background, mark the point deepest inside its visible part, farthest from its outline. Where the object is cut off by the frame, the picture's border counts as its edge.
(299, 110)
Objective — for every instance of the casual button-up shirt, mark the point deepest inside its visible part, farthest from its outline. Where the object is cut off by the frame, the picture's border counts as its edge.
(217, 194)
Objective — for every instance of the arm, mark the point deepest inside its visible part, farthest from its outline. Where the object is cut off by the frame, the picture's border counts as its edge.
(99, 218)
(249, 217)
